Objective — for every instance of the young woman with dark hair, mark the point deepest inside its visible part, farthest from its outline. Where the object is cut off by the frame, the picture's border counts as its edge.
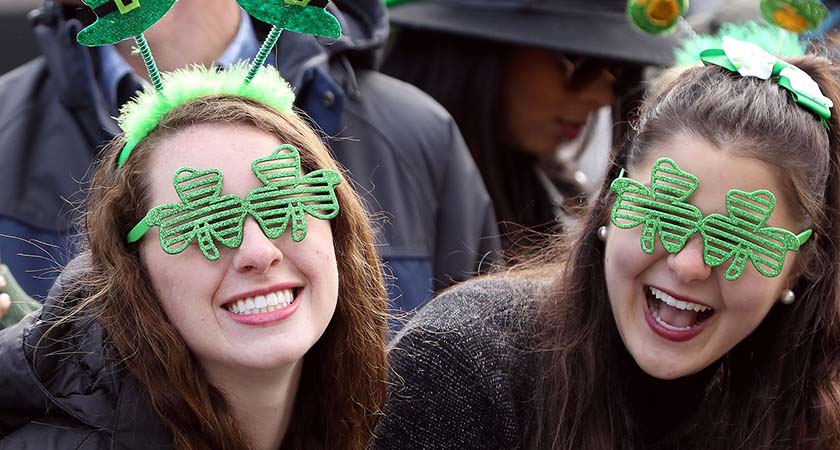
(695, 307)
(520, 84)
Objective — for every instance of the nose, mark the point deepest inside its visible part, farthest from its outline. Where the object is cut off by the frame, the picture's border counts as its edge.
(688, 264)
(595, 92)
(257, 253)
(598, 92)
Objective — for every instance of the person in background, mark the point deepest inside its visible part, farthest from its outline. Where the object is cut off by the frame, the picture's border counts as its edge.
(404, 152)
(695, 307)
(522, 79)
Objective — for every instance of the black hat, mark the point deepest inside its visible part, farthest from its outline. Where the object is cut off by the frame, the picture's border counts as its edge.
(598, 28)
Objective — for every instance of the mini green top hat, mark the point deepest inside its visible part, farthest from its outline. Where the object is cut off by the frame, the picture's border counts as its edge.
(300, 16)
(656, 16)
(117, 20)
(794, 15)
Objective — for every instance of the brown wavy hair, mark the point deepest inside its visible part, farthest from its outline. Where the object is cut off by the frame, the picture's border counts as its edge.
(342, 386)
(779, 388)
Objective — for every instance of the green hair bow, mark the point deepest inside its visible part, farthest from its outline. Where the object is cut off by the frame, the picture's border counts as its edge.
(749, 59)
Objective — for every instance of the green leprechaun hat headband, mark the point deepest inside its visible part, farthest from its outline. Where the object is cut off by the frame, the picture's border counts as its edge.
(796, 16)
(118, 20)
(656, 16)
(204, 215)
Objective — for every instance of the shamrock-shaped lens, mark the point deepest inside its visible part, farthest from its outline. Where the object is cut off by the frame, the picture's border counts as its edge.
(207, 217)
(741, 236)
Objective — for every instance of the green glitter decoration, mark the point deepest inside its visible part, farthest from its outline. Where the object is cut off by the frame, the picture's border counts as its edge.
(118, 20)
(741, 236)
(300, 16)
(207, 217)
(656, 16)
(794, 15)
(662, 208)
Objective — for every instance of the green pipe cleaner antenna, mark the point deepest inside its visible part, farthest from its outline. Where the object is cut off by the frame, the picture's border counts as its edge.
(262, 55)
(149, 61)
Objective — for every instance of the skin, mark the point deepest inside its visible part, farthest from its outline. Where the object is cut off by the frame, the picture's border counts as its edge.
(542, 111)
(258, 367)
(739, 305)
(192, 32)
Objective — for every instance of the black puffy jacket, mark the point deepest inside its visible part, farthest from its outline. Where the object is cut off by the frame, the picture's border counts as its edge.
(66, 392)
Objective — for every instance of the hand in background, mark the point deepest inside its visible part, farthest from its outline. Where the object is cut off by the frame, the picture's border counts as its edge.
(5, 300)
(15, 304)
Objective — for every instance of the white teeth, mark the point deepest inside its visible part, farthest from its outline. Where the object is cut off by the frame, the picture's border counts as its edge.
(679, 304)
(262, 303)
(669, 326)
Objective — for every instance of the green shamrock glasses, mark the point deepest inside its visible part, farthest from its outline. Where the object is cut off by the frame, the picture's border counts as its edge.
(741, 236)
(206, 216)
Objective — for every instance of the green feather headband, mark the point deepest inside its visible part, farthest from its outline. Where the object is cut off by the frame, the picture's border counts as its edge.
(775, 40)
(142, 114)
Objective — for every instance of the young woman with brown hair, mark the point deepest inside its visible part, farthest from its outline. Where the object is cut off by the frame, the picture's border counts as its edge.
(275, 343)
(687, 311)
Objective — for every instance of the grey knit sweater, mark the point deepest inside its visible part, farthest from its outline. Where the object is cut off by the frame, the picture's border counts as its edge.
(460, 373)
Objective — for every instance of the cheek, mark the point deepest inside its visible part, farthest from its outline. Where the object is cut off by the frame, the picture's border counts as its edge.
(750, 299)
(183, 283)
(623, 255)
(315, 257)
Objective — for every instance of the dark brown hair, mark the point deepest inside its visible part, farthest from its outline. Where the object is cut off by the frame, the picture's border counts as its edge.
(780, 386)
(349, 358)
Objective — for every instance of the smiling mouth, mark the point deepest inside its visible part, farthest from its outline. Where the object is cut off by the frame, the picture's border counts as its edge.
(263, 303)
(568, 130)
(673, 314)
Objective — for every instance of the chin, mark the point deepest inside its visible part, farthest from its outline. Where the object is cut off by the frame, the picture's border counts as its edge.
(657, 365)
(270, 360)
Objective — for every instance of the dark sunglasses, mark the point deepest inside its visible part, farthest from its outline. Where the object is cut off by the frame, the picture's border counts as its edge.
(580, 70)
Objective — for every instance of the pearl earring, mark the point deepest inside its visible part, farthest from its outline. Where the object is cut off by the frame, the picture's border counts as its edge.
(602, 233)
(788, 297)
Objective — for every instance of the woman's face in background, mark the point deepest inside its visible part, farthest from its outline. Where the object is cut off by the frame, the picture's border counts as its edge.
(542, 108)
(260, 306)
(675, 314)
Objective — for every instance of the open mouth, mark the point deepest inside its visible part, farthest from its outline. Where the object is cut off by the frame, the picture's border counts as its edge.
(673, 314)
(263, 303)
